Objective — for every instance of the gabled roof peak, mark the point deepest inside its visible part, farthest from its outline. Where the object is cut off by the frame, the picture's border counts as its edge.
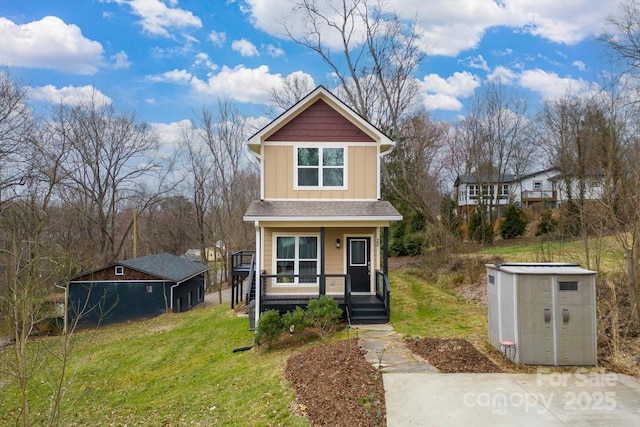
(320, 92)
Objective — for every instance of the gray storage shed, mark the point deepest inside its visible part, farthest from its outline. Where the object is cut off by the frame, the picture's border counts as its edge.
(545, 313)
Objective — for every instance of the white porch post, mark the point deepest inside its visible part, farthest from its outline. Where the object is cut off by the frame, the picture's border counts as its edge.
(257, 273)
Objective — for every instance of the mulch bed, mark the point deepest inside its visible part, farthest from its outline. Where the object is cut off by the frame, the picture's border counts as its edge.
(336, 386)
(452, 355)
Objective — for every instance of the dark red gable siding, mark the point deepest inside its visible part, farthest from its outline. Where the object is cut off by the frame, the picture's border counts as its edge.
(321, 123)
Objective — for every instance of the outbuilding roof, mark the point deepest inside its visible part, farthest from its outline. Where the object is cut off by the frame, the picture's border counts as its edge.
(164, 266)
(542, 268)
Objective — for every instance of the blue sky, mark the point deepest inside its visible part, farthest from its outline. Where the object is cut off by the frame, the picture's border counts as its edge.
(163, 59)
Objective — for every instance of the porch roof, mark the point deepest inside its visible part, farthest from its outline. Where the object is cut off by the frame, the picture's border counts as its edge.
(325, 210)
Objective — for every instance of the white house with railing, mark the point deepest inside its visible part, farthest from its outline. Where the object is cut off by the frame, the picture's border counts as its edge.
(548, 186)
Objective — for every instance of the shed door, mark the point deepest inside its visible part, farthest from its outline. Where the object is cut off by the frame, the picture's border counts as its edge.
(575, 321)
(359, 263)
(536, 320)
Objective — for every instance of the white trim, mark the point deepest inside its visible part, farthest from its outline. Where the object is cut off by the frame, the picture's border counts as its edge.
(339, 106)
(321, 167)
(258, 268)
(321, 218)
(123, 281)
(315, 199)
(296, 259)
(372, 260)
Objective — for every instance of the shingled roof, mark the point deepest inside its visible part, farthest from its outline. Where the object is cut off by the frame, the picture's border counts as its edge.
(166, 266)
(303, 210)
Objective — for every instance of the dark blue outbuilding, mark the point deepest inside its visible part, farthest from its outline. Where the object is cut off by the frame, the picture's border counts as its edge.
(137, 288)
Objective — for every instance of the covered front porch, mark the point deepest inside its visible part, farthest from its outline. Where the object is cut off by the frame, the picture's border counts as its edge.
(348, 263)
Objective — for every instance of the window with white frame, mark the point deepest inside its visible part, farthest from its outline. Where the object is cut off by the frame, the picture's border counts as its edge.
(320, 167)
(473, 190)
(296, 255)
(504, 190)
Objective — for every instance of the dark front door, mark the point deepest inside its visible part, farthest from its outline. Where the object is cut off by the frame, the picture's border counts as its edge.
(359, 263)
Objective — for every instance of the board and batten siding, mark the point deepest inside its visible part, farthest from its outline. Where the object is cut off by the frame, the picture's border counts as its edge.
(361, 174)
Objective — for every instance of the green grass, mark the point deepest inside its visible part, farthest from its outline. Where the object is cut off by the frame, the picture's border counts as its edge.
(179, 369)
(420, 308)
(176, 369)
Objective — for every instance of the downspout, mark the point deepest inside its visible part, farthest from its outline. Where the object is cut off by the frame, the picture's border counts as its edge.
(66, 307)
(323, 279)
(181, 282)
(257, 273)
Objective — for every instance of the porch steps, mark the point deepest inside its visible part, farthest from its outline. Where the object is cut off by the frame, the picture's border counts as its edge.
(367, 310)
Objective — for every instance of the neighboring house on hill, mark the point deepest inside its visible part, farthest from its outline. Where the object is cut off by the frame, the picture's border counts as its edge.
(529, 190)
(474, 190)
(536, 188)
(566, 185)
(321, 226)
(137, 288)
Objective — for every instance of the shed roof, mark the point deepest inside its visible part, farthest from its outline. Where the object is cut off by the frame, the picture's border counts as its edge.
(542, 268)
(165, 266)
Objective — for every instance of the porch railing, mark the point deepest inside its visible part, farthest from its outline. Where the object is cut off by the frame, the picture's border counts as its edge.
(383, 290)
(242, 267)
(308, 281)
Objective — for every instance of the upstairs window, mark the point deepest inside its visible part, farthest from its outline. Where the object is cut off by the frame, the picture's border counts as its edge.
(473, 189)
(320, 167)
(537, 185)
(504, 190)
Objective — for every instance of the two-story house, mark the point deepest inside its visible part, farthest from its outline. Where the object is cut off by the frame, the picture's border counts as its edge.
(492, 192)
(546, 186)
(321, 226)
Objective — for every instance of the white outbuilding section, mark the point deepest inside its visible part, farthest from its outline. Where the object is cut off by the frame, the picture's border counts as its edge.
(543, 313)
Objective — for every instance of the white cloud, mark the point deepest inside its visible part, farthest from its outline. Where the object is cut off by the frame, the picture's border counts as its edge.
(502, 75)
(217, 38)
(202, 59)
(552, 86)
(453, 27)
(443, 93)
(170, 134)
(579, 65)
(274, 51)
(240, 84)
(158, 19)
(173, 76)
(49, 43)
(244, 47)
(121, 60)
(72, 95)
(441, 102)
(477, 61)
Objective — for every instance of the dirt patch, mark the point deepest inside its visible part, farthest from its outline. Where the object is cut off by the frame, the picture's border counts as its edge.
(452, 355)
(336, 386)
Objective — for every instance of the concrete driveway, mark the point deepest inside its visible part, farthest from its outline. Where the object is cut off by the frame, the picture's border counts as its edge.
(582, 398)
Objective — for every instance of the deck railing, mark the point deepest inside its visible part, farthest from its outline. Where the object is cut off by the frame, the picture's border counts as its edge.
(383, 290)
(242, 267)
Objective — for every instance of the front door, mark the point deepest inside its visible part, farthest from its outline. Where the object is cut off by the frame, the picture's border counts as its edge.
(359, 263)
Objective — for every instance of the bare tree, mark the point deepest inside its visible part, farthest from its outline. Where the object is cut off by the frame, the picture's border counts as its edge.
(379, 52)
(220, 171)
(414, 168)
(294, 87)
(16, 122)
(496, 141)
(110, 161)
(373, 54)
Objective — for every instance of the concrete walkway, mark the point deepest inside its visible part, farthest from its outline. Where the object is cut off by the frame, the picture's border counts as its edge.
(416, 394)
